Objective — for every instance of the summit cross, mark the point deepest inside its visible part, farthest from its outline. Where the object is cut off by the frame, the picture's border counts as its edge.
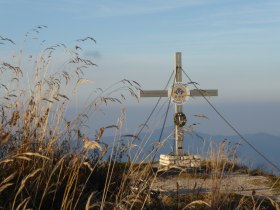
(179, 94)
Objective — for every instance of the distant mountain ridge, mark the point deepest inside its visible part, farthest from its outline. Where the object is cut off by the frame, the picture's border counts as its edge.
(266, 144)
(199, 143)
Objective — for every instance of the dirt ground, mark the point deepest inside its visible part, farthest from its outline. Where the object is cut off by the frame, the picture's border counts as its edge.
(233, 183)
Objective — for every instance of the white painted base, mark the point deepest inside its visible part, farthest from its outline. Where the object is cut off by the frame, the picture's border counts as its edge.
(190, 161)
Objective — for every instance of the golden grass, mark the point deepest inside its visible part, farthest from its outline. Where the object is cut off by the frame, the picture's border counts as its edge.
(41, 167)
(48, 162)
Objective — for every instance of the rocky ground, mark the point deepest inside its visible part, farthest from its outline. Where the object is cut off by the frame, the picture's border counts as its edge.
(232, 183)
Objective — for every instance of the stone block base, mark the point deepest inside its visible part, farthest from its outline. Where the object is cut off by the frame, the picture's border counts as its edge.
(190, 161)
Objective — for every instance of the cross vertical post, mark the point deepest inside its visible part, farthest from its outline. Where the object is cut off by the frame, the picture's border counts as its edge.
(178, 94)
(179, 131)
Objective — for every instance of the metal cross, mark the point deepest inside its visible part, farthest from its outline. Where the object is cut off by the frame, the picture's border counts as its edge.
(179, 131)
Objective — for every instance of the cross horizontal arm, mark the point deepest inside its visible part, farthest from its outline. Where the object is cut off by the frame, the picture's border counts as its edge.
(200, 92)
(154, 93)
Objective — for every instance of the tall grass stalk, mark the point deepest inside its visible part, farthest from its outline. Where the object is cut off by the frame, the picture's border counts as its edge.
(47, 161)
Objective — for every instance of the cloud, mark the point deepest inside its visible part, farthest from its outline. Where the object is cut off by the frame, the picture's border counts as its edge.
(110, 8)
(125, 8)
(93, 53)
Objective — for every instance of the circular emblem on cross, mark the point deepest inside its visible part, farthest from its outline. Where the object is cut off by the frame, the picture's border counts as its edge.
(179, 93)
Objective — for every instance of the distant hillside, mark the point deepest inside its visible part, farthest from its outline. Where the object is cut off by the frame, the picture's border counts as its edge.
(265, 143)
(199, 143)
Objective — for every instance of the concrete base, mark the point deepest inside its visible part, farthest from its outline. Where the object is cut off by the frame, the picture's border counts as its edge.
(189, 161)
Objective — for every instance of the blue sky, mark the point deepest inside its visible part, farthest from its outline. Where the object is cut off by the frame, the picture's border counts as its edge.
(231, 45)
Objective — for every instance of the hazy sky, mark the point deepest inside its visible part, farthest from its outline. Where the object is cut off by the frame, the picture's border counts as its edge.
(231, 45)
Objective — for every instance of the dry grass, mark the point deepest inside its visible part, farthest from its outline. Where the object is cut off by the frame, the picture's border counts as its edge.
(48, 162)
(202, 202)
(211, 186)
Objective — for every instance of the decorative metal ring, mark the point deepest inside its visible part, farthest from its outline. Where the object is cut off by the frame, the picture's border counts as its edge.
(180, 119)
